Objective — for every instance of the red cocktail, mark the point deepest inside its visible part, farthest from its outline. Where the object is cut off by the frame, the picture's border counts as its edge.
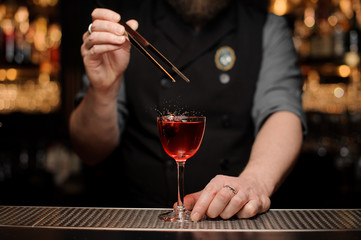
(181, 137)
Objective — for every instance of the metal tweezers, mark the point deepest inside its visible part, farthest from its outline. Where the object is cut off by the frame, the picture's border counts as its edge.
(143, 45)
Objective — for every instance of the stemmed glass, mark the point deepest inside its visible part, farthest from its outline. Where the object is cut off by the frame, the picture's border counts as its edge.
(181, 137)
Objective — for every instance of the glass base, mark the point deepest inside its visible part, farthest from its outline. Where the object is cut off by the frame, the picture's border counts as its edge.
(180, 214)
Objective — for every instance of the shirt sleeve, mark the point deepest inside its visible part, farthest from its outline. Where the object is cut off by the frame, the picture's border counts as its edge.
(279, 86)
(122, 111)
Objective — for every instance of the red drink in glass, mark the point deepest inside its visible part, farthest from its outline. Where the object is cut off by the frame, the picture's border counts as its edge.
(181, 137)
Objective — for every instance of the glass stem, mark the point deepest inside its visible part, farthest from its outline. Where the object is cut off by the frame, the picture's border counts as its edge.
(180, 168)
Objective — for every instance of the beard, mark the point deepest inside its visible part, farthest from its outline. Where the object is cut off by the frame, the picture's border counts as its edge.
(198, 12)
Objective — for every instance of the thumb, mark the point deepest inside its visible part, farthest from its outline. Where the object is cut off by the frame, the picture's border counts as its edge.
(133, 24)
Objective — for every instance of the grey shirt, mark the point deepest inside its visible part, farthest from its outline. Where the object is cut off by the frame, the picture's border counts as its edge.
(279, 87)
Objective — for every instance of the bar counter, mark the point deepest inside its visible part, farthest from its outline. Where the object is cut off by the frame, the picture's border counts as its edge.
(35, 222)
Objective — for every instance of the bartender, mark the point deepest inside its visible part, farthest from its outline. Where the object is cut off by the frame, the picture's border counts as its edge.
(244, 78)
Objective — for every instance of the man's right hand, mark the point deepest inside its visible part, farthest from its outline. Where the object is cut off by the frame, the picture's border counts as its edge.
(106, 53)
(93, 126)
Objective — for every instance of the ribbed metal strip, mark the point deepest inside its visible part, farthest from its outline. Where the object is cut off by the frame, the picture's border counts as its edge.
(147, 219)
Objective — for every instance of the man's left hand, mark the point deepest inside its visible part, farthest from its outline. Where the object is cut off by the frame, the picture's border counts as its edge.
(226, 196)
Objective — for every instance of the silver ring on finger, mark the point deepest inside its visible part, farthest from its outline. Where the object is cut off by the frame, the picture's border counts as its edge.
(231, 188)
(90, 28)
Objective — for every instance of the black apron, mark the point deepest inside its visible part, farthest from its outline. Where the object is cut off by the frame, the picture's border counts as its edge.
(146, 175)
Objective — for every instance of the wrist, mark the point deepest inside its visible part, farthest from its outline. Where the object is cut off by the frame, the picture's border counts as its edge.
(262, 177)
(100, 104)
(104, 95)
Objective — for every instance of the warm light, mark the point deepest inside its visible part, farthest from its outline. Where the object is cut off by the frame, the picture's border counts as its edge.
(24, 27)
(52, 2)
(344, 71)
(22, 14)
(309, 22)
(338, 92)
(2, 11)
(29, 85)
(40, 34)
(11, 74)
(2, 74)
(42, 3)
(46, 67)
(346, 7)
(54, 33)
(12, 92)
(280, 7)
(7, 26)
(313, 80)
(313, 76)
(332, 20)
(309, 17)
(44, 78)
(45, 3)
(352, 59)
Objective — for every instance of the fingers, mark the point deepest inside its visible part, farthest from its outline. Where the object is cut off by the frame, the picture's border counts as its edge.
(249, 210)
(107, 26)
(205, 199)
(106, 33)
(252, 208)
(106, 36)
(227, 197)
(191, 199)
(235, 205)
(97, 38)
(105, 14)
(105, 20)
(220, 202)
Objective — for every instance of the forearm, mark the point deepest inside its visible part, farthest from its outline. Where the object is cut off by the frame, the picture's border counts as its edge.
(275, 150)
(94, 130)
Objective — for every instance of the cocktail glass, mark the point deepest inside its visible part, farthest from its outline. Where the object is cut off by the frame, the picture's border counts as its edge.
(181, 137)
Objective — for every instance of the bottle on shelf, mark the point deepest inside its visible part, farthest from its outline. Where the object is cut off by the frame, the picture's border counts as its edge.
(352, 43)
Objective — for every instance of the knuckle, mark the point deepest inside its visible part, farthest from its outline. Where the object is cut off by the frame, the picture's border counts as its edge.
(266, 204)
(119, 29)
(94, 25)
(93, 50)
(91, 37)
(115, 38)
(251, 209)
(211, 189)
(217, 178)
(223, 196)
(238, 200)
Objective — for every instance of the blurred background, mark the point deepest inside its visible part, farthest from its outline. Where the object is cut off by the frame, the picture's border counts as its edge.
(40, 74)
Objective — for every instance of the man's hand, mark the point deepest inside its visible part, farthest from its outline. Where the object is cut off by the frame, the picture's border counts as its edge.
(105, 52)
(93, 126)
(226, 196)
(273, 155)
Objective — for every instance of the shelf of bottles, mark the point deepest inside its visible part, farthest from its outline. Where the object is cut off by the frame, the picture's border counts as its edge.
(30, 37)
(327, 39)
